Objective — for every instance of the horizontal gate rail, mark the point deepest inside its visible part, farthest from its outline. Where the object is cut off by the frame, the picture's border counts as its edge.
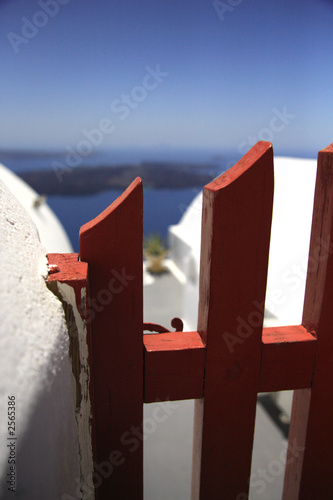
(175, 363)
(287, 359)
(174, 366)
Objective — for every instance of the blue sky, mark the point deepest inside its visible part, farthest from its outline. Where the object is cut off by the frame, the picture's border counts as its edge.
(228, 73)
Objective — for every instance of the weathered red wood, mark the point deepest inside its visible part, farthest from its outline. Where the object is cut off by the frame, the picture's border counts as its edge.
(236, 221)
(174, 366)
(111, 244)
(309, 474)
(66, 268)
(287, 359)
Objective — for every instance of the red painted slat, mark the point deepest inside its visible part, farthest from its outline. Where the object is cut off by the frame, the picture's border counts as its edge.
(111, 244)
(236, 221)
(287, 359)
(309, 474)
(174, 366)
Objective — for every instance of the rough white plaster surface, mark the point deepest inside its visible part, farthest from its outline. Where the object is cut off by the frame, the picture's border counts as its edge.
(35, 366)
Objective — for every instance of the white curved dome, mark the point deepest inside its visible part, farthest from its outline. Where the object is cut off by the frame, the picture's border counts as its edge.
(51, 232)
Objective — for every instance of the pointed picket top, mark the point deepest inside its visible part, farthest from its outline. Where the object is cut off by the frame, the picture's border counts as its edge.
(135, 186)
(236, 220)
(321, 245)
(111, 244)
(245, 164)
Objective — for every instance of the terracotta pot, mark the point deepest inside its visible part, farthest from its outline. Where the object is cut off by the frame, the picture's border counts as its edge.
(156, 263)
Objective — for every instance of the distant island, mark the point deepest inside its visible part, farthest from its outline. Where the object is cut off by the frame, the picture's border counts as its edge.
(78, 181)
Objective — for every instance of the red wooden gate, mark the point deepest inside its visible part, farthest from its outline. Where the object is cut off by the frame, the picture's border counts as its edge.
(224, 364)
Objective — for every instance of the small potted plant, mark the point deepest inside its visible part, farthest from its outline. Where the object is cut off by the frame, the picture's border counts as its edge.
(155, 251)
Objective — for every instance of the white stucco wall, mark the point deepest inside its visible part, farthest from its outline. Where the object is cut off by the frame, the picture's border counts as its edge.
(35, 367)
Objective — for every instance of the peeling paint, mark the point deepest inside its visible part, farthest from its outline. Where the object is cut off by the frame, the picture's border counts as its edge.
(78, 351)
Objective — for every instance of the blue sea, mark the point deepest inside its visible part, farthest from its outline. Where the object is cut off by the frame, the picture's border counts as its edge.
(162, 208)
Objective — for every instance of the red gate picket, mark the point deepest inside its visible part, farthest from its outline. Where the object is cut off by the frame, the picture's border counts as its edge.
(221, 365)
